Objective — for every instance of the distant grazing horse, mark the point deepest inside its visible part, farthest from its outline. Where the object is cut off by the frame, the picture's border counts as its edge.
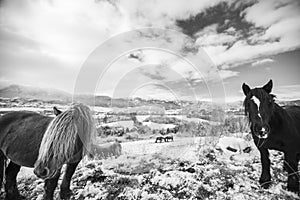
(169, 138)
(104, 151)
(160, 139)
(34, 140)
(274, 127)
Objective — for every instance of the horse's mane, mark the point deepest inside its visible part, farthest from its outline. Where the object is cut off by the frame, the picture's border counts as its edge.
(59, 141)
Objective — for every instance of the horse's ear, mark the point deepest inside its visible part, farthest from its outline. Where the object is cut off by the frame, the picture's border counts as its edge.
(268, 87)
(56, 111)
(246, 89)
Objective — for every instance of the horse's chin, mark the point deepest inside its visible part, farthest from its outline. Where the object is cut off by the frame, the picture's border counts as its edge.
(264, 136)
(261, 136)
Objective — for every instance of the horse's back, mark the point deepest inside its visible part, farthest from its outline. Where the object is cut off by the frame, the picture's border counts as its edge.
(21, 133)
(20, 120)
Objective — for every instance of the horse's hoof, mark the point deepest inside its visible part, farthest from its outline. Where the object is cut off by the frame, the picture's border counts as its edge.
(65, 194)
(47, 197)
(294, 190)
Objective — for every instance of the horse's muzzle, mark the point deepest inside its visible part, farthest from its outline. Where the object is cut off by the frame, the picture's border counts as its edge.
(42, 173)
(263, 132)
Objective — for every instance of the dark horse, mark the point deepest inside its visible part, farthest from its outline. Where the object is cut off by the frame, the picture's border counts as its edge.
(274, 127)
(169, 138)
(160, 139)
(33, 140)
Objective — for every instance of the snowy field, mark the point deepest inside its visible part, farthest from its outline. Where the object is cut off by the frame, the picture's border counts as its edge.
(188, 168)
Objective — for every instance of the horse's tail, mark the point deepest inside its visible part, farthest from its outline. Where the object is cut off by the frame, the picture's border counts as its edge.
(2, 168)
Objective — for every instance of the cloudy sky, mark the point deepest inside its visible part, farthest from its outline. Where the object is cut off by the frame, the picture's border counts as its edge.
(166, 49)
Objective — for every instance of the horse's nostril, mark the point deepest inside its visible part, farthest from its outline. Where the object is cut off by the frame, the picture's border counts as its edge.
(266, 129)
(256, 129)
(42, 172)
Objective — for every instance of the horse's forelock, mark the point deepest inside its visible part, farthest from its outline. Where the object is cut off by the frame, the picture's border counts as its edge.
(59, 141)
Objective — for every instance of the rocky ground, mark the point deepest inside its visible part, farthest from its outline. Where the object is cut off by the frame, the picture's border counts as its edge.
(174, 171)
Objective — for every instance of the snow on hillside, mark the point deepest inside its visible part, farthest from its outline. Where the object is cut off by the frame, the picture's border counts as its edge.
(154, 125)
(124, 124)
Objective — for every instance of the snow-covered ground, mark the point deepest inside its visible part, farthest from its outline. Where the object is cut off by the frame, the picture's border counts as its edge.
(124, 124)
(189, 119)
(154, 125)
(188, 168)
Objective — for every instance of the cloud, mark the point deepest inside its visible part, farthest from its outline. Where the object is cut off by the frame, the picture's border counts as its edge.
(287, 92)
(215, 39)
(273, 11)
(150, 13)
(226, 14)
(155, 72)
(137, 55)
(227, 74)
(242, 52)
(234, 33)
(67, 30)
(262, 61)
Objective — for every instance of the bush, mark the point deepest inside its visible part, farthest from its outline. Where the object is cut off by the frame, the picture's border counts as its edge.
(131, 136)
(163, 120)
(236, 124)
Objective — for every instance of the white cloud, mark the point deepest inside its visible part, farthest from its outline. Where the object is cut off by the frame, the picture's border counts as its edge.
(215, 39)
(272, 11)
(67, 30)
(262, 61)
(242, 52)
(227, 74)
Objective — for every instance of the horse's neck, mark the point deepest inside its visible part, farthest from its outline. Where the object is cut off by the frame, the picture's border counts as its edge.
(278, 116)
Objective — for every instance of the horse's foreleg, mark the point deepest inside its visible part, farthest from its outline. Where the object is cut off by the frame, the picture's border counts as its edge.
(265, 178)
(50, 185)
(292, 169)
(285, 165)
(65, 191)
(2, 168)
(11, 189)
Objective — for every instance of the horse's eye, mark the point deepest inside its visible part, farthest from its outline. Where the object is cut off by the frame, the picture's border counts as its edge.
(270, 101)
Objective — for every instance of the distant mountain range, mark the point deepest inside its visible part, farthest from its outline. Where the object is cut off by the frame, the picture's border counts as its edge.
(58, 96)
(28, 92)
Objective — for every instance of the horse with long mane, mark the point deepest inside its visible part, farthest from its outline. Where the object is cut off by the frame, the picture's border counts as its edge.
(45, 143)
(274, 127)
